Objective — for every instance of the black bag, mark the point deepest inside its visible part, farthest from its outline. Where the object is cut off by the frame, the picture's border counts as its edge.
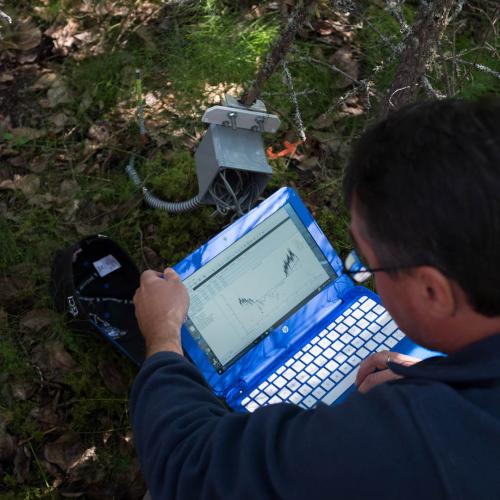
(94, 282)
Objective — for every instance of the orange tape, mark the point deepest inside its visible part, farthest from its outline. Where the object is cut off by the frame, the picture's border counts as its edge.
(290, 148)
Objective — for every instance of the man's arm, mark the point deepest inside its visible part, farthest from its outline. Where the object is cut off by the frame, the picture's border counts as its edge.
(190, 446)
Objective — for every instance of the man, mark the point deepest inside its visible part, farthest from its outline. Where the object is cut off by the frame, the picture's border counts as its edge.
(423, 187)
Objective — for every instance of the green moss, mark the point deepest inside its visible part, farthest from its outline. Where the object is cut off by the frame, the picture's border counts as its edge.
(9, 251)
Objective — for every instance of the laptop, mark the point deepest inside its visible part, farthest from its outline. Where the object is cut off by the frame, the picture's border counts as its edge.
(273, 318)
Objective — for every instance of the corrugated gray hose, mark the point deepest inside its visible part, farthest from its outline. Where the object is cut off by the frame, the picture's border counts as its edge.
(154, 202)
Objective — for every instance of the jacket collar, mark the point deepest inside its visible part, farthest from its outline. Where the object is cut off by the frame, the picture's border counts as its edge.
(479, 361)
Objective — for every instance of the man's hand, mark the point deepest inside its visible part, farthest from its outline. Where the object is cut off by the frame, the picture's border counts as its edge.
(373, 370)
(161, 305)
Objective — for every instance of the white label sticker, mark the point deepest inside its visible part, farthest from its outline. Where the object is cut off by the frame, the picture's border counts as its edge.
(106, 265)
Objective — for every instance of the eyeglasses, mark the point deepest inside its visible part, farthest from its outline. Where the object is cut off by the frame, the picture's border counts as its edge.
(354, 266)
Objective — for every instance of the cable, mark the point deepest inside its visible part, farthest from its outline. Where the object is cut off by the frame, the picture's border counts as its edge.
(153, 201)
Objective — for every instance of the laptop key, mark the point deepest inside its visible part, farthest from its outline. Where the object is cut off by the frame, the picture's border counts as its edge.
(254, 393)
(398, 335)
(315, 340)
(318, 392)
(322, 374)
(289, 374)
(346, 338)
(328, 353)
(331, 365)
(280, 370)
(378, 309)
(371, 316)
(327, 384)
(362, 299)
(252, 406)
(336, 376)
(298, 366)
(295, 398)
(263, 385)
(374, 327)
(339, 389)
(284, 393)
(302, 377)
(362, 323)
(271, 390)
(289, 362)
(379, 338)
(293, 384)
(245, 401)
(340, 357)
(305, 390)
(384, 319)
(314, 381)
(354, 331)
(357, 342)
(389, 328)
(369, 304)
(365, 335)
(349, 349)
(333, 336)
(349, 321)
(323, 333)
(307, 358)
(390, 342)
(324, 343)
(331, 325)
(320, 360)
(315, 351)
(280, 382)
(371, 345)
(274, 400)
(261, 398)
(312, 369)
(354, 360)
(381, 347)
(306, 347)
(272, 378)
(338, 345)
(357, 314)
(341, 329)
(345, 368)
(362, 353)
(309, 402)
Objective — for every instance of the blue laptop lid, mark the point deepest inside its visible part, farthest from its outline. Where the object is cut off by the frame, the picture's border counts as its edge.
(274, 343)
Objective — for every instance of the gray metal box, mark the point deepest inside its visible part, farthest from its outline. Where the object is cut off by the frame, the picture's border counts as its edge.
(229, 148)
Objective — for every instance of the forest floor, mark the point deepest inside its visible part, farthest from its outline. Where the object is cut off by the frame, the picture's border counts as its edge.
(67, 129)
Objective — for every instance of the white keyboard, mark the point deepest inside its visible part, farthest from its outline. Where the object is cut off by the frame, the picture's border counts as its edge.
(326, 367)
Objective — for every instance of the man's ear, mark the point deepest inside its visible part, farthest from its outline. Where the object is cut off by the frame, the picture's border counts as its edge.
(435, 292)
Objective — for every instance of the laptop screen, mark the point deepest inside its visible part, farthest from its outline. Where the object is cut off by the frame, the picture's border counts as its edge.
(252, 286)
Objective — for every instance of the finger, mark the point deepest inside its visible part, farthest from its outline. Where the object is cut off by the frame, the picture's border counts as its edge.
(149, 275)
(377, 361)
(376, 379)
(169, 273)
(403, 359)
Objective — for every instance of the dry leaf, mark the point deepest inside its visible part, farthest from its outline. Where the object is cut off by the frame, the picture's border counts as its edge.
(112, 377)
(22, 463)
(27, 134)
(65, 452)
(37, 319)
(64, 36)
(22, 390)
(6, 77)
(44, 82)
(57, 94)
(7, 446)
(344, 60)
(21, 35)
(27, 184)
(54, 361)
(46, 415)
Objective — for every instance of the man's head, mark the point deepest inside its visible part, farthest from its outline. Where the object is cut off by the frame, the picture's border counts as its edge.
(424, 189)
